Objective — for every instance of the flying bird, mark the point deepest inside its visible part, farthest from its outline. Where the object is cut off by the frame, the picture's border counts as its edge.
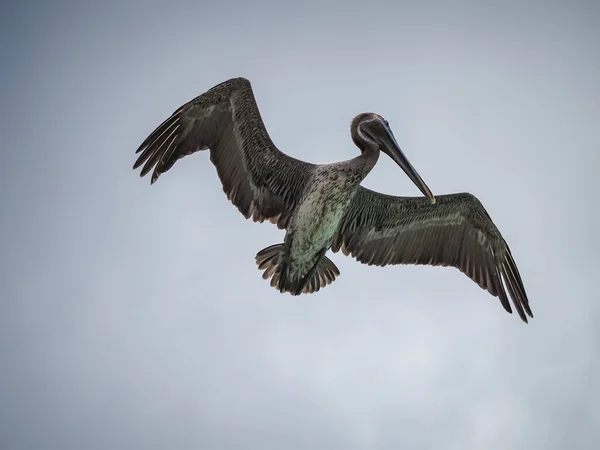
(323, 206)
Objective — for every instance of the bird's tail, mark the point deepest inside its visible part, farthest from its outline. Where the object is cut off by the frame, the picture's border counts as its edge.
(271, 260)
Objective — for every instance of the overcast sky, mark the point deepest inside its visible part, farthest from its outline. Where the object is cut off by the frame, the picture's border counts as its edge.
(134, 317)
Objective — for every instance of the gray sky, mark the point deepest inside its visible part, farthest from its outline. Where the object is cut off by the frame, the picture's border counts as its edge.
(134, 317)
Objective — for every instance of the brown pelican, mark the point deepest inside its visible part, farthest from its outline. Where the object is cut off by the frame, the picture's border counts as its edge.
(324, 207)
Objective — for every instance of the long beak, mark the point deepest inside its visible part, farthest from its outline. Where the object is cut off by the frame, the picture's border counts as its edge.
(393, 150)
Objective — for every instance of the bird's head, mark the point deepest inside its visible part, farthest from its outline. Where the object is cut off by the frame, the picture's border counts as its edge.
(371, 132)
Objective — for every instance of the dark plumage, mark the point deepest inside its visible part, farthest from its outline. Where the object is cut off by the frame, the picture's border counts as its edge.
(324, 207)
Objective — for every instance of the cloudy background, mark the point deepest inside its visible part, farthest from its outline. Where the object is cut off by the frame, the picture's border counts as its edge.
(133, 317)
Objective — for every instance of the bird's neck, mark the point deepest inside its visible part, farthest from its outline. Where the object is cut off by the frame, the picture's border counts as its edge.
(367, 159)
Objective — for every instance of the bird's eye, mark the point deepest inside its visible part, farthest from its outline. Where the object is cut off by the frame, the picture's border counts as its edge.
(387, 124)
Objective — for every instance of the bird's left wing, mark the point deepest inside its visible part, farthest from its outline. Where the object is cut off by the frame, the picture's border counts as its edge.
(260, 180)
(456, 231)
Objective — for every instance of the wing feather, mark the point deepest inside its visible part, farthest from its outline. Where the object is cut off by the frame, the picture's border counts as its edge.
(260, 180)
(457, 231)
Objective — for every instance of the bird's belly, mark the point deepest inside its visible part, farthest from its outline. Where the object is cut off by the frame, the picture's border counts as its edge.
(316, 221)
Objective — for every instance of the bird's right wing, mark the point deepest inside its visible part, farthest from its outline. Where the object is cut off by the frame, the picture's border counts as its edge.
(263, 182)
(456, 231)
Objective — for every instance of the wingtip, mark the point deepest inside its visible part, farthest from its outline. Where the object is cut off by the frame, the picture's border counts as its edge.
(523, 317)
(143, 174)
(524, 312)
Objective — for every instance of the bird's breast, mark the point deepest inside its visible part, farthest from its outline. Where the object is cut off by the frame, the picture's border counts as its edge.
(322, 208)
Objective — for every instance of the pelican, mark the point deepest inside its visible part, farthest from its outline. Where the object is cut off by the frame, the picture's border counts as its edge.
(324, 207)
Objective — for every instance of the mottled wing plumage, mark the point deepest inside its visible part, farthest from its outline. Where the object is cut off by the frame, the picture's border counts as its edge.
(457, 231)
(260, 180)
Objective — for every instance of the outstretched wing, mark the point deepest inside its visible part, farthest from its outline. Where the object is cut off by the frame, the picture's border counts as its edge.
(260, 180)
(456, 231)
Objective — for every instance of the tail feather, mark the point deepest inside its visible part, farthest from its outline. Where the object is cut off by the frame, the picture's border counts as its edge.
(271, 260)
